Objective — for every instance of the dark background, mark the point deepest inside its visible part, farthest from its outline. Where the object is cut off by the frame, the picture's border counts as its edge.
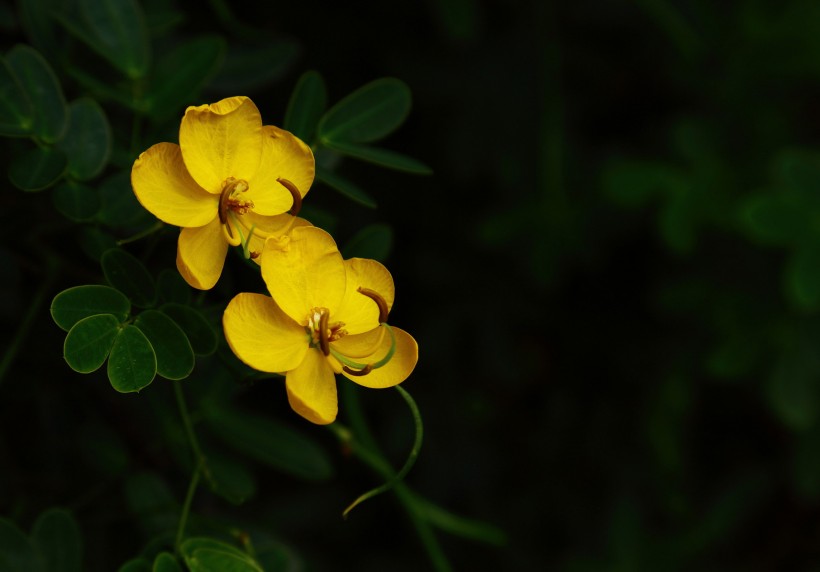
(613, 276)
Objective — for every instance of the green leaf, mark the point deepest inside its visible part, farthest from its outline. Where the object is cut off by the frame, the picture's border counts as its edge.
(128, 275)
(37, 169)
(230, 479)
(248, 68)
(95, 242)
(120, 207)
(76, 202)
(181, 74)
(165, 562)
(87, 143)
(803, 277)
(56, 536)
(72, 305)
(777, 219)
(306, 106)
(382, 157)
(136, 565)
(44, 91)
(89, 341)
(206, 560)
(793, 392)
(373, 241)
(16, 550)
(175, 358)
(633, 183)
(16, 111)
(149, 498)
(173, 288)
(270, 442)
(202, 336)
(41, 28)
(345, 187)
(369, 113)
(191, 545)
(117, 32)
(104, 91)
(132, 364)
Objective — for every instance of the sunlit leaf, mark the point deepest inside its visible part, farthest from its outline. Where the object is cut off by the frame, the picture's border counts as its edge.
(306, 106)
(37, 168)
(72, 305)
(381, 157)
(345, 187)
(369, 113)
(43, 89)
(132, 364)
(128, 275)
(56, 536)
(175, 358)
(87, 143)
(89, 342)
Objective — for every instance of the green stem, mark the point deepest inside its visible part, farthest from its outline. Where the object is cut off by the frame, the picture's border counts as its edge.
(408, 464)
(159, 225)
(34, 309)
(199, 461)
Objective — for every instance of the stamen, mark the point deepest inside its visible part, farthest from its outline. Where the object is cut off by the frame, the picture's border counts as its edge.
(380, 302)
(228, 202)
(294, 192)
(229, 237)
(358, 372)
(324, 343)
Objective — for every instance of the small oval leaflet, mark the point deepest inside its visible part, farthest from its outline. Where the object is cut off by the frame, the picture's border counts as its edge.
(89, 342)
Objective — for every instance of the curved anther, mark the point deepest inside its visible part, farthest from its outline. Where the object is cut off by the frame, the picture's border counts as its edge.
(358, 372)
(294, 192)
(230, 186)
(324, 342)
(379, 300)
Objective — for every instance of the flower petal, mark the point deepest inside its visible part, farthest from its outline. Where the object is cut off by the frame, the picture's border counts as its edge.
(312, 389)
(262, 335)
(221, 140)
(357, 311)
(304, 270)
(201, 254)
(361, 345)
(267, 226)
(395, 371)
(284, 156)
(164, 187)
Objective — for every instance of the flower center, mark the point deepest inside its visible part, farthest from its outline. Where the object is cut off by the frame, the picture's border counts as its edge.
(322, 331)
(231, 200)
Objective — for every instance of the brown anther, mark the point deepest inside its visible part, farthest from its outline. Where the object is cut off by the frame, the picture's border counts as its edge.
(324, 342)
(379, 300)
(228, 202)
(255, 254)
(294, 192)
(367, 369)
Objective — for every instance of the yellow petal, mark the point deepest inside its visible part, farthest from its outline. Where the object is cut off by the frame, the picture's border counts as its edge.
(397, 369)
(312, 389)
(357, 311)
(267, 226)
(263, 336)
(221, 140)
(201, 254)
(361, 345)
(284, 156)
(163, 186)
(304, 270)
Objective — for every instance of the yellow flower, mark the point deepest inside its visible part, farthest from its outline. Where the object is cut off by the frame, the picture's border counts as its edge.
(224, 184)
(324, 318)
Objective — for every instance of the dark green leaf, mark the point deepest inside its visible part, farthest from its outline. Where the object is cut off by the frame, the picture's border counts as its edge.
(95, 242)
(202, 336)
(633, 183)
(369, 113)
(56, 536)
(42, 28)
(136, 565)
(173, 288)
(373, 241)
(270, 442)
(76, 202)
(165, 562)
(37, 169)
(345, 187)
(382, 157)
(230, 479)
(206, 560)
(793, 391)
(128, 275)
(247, 68)
(181, 74)
(89, 341)
(175, 358)
(191, 545)
(149, 498)
(117, 32)
(16, 111)
(279, 558)
(104, 91)
(120, 207)
(778, 219)
(798, 170)
(132, 364)
(44, 92)
(72, 305)
(677, 222)
(306, 106)
(16, 550)
(88, 141)
(803, 277)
